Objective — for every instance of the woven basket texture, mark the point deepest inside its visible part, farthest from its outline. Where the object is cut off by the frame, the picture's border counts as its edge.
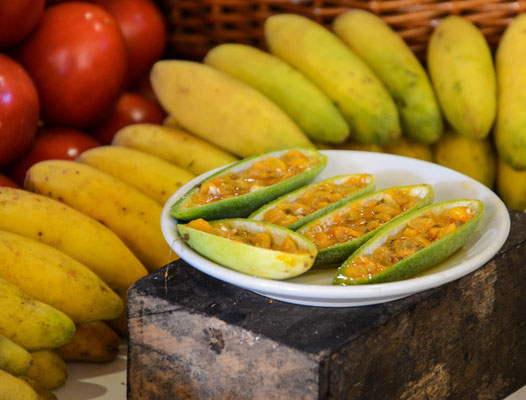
(195, 26)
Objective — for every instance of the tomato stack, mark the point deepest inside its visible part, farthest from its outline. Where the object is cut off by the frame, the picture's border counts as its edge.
(72, 73)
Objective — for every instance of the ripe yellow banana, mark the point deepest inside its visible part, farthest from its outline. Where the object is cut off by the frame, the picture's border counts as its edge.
(510, 135)
(31, 323)
(304, 102)
(14, 388)
(223, 110)
(93, 342)
(461, 69)
(511, 185)
(149, 174)
(13, 358)
(54, 278)
(132, 215)
(83, 238)
(174, 145)
(48, 369)
(346, 79)
(386, 53)
(42, 393)
(472, 157)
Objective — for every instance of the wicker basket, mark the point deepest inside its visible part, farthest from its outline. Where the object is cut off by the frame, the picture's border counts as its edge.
(197, 25)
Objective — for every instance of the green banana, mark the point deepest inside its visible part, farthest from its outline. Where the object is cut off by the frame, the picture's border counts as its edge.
(13, 358)
(31, 323)
(307, 105)
(461, 69)
(386, 53)
(345, 78)
(510, 132)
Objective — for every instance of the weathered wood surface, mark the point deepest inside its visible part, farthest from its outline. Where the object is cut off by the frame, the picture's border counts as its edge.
(194, 337)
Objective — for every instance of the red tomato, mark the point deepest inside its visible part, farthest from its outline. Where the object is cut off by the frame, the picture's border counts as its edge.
(131, 108)
(5, 181)
(18, 110)
(142, 25)
(77, 58)
(52, 143)
(17, 19)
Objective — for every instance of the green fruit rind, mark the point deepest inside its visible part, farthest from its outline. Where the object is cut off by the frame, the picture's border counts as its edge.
(343, 76)
(510, 59)
(242, 206)
(461, 68)
(386, 53)
(307, 105)
(423, 259)
(339, 253)
(248, 259)
(291, 196)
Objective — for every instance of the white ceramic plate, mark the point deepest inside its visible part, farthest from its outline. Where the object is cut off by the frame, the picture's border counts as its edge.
(314, 288)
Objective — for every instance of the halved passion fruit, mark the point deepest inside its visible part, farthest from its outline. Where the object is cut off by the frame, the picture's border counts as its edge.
(416, 241)
(252, 247)
(243, 187)
(340, 232)
(301, 206)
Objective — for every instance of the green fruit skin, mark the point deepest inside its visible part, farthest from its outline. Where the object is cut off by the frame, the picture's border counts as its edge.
(258, 214)
(251, 260)
(333, 67)
(386, 53)
(510, 132)
(13, 358)
(472, 157)
(307, 105)
(30, 323)
(335, 255)
(423, 259)
(242, 206)
(461, 69)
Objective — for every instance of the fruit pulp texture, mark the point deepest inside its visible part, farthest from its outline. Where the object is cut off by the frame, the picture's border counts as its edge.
(419, 233)
(314, 199)
(261, 174)
(260, 239)
(361, 218)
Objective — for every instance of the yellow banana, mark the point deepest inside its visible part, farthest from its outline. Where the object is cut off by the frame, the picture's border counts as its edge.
(72, 232)
(222, 109)
(93, 342)
(461, 69)
(149, 174)
(408, 147)
(42, 394)
(511, 185)
(472, 157)
(171, 122)
(54, 278)
(307, 105)
(13, 358)
(48, 369)
(31, 323)
(346, 79)
(14, 388)
(132, 215)
(174, 145)
(510, 135)
(386, 53)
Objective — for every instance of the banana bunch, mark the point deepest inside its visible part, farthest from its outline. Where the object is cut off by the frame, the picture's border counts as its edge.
(358, 86)
(73, 242)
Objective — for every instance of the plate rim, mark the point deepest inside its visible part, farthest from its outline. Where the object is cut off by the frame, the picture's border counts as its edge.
(324, 295)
